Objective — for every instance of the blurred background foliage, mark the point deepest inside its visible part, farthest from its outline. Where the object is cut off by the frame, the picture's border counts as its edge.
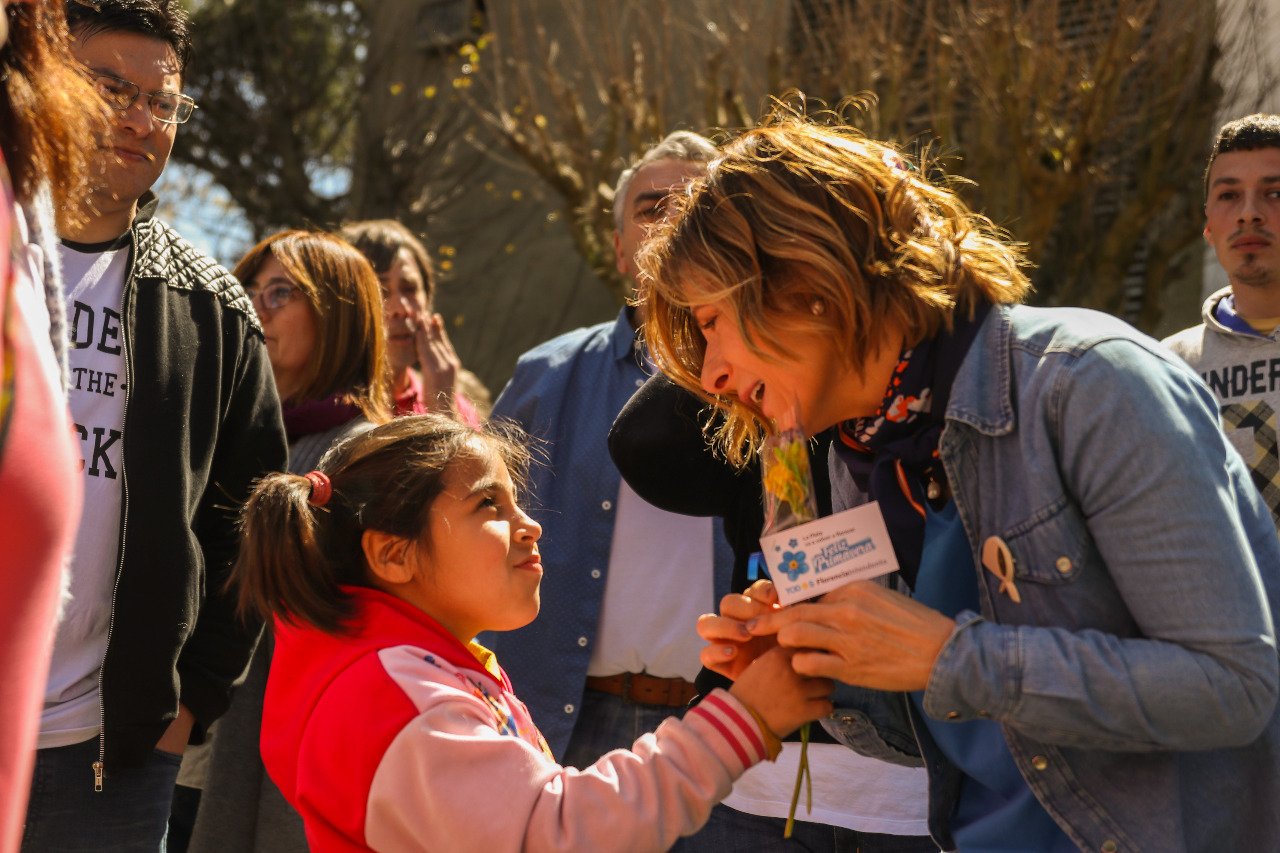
(497, 129)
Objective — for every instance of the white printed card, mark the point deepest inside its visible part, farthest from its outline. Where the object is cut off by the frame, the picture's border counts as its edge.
(816, 557)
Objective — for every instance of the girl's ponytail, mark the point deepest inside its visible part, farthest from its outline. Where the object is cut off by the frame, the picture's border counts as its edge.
(283, 568)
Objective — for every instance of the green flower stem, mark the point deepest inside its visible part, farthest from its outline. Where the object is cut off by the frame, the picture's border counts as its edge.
(802, 774)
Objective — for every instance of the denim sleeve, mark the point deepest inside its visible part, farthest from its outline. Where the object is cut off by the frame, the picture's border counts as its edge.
(1193, 555)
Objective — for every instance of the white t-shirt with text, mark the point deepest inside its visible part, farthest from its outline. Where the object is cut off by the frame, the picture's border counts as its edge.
(94, 281)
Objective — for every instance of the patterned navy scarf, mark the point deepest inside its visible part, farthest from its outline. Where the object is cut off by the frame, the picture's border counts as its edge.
(893, 455)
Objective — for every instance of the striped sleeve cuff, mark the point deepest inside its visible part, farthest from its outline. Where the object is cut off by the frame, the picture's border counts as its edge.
(734, 723)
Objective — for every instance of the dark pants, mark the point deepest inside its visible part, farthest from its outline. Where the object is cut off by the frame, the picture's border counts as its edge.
(611, 722)
(129, 815)
(182, 819)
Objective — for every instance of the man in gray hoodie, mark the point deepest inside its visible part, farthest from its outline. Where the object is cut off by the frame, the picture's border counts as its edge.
(1236, 350)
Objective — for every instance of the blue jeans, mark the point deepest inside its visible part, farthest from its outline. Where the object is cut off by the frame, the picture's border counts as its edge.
(611, 722)
(129, 815)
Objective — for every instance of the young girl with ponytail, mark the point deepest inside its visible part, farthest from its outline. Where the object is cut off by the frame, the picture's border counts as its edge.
(389, 728)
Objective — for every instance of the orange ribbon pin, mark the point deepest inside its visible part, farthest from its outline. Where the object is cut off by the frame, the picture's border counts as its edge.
(998, 559)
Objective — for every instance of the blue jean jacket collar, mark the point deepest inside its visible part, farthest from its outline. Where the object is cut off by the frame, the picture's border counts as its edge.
(982, 393)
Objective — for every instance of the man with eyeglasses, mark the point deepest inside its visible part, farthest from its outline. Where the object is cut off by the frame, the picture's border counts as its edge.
(176, 414)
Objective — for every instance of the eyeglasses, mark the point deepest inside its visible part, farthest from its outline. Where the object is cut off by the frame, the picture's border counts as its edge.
(273, 297)
(167, 107)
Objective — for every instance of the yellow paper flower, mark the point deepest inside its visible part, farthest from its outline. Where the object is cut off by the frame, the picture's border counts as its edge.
(784, 479)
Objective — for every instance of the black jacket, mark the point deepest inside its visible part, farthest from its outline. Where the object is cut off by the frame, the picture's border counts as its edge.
(202, 423)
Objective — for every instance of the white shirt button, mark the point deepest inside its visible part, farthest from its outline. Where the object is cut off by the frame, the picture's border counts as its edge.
(568, 709)
(595, 573)
(582, 641)
(606, 505)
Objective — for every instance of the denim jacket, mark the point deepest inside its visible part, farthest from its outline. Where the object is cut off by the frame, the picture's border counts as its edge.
(1136, 682)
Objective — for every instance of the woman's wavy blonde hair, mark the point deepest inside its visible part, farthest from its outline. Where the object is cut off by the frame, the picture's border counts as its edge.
(793, 213)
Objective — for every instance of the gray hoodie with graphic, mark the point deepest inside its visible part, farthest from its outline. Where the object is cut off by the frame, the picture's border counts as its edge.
(1243, 372)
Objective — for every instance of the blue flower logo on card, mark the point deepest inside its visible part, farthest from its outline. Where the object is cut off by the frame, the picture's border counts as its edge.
(793, 564)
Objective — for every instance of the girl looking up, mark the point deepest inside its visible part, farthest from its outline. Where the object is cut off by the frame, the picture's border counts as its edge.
(388, 728)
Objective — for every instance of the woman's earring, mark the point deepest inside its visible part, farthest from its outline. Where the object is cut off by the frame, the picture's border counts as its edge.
(818, 307)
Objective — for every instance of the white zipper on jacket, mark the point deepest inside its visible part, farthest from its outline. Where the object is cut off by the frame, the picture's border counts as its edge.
(99, 766)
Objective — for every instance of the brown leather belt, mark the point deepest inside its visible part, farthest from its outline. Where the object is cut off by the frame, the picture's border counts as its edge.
(645, 689)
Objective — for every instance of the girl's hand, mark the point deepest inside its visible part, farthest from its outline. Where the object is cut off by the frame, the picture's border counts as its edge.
(785, 700)
(861, 634)
(438, 362)
(731, 648)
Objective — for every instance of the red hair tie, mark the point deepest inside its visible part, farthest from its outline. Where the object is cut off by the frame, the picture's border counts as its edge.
(321, 488)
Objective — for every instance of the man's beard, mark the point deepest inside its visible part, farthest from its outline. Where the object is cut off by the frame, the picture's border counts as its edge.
(1253, 273)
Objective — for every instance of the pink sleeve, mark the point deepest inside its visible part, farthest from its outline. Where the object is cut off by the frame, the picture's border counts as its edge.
(450, 774)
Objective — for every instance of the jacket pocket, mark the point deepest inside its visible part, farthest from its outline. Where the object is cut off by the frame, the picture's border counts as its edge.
(1060, 576)
(875, 724)
(1053, 547)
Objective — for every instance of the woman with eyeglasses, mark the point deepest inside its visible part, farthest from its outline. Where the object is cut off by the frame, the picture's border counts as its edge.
(48, 120)
(320, 305)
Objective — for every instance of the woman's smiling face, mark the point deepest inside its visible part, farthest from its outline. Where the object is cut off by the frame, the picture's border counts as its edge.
(809, 383)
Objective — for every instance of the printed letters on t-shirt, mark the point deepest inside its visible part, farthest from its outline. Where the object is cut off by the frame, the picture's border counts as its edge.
(95, 333)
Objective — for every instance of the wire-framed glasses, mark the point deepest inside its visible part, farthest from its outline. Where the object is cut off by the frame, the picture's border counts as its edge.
(167, 107)
(273, 297)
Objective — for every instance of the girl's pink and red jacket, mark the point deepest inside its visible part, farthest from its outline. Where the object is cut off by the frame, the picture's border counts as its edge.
(397, 736)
